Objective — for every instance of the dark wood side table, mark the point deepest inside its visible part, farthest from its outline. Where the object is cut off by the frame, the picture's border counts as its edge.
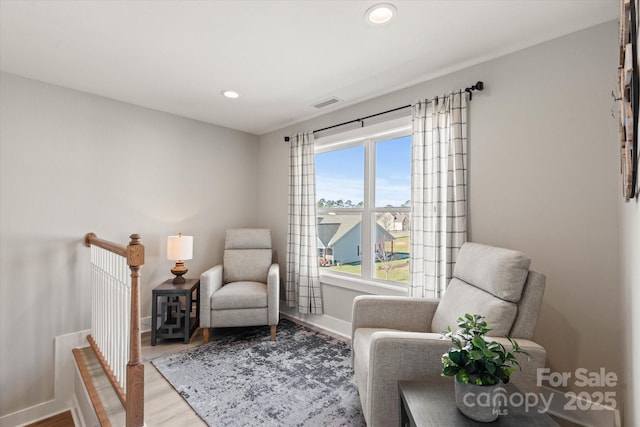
(433, 403)
(175, 321)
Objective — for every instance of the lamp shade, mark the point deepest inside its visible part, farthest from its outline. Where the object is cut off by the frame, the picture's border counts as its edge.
(179, 248)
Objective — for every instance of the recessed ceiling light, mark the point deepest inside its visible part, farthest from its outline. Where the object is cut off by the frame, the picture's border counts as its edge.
(380, 13)
(230, 94)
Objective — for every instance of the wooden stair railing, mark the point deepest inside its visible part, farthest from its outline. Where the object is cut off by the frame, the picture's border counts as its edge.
(131, 393)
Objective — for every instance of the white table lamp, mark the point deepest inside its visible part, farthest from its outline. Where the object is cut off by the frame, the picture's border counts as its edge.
(179, 249)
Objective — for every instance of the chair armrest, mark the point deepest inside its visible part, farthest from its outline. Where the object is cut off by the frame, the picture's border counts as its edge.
(210, 282)
(403, 313)
(416, 354)
(395, 356)
(421, 347)
(420, 355)
(273, 294)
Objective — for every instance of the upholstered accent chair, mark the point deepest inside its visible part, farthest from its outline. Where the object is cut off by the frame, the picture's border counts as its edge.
(243, 290)
(400, 338)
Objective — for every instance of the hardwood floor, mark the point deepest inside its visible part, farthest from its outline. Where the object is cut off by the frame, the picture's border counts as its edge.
(163, 404)
(64, 419)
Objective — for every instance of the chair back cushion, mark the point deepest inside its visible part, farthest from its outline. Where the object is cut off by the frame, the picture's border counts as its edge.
(462, 298)
(247, 255)
(487, 281)
(529, 306)
(248, 238)
(501, 272)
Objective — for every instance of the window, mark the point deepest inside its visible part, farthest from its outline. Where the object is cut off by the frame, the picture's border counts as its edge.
(363, 192)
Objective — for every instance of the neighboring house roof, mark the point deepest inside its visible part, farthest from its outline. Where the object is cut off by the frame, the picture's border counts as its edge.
(396, 216)
(332, 228)
(402, 216)
(326, 233)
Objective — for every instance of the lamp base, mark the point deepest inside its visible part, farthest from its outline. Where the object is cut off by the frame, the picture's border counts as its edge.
(179, 270)
(178, 280)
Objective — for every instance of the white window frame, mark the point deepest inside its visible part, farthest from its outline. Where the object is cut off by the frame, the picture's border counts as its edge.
(368, 135)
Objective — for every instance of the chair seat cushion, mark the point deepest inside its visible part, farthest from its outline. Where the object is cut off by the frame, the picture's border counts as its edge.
(240, 295)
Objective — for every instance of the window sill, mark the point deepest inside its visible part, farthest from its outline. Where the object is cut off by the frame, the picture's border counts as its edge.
(362, 285)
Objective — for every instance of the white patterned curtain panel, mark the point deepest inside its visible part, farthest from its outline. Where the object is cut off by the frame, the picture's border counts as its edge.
(303, 279)
(438, 192)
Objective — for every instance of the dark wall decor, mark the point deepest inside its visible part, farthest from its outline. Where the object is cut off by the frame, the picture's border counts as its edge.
(630, 97)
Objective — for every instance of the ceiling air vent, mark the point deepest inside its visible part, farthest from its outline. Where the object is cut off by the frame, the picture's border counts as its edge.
(326, 102)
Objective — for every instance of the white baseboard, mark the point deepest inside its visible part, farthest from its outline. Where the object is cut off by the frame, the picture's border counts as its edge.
(76, 413)
(571, 409)
(64, 384)
(323, 321)
(32, 414)
(145, 324)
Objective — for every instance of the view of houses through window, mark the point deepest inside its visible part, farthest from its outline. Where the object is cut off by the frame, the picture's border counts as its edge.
(363, 192)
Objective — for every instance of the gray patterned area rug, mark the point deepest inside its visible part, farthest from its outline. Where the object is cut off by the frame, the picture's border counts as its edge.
(241, 378)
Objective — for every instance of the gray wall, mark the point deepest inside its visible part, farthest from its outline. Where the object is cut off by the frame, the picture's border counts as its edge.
(544, 179)
(72, 163)
(630, 277)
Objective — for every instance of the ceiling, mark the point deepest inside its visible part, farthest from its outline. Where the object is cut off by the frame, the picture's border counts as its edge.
(282, 56)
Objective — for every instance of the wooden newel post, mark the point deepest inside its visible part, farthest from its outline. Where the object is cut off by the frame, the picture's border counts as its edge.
(134, 406)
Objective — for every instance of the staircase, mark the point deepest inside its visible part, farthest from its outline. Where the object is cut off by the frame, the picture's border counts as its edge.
(163, 404)
(107, 409)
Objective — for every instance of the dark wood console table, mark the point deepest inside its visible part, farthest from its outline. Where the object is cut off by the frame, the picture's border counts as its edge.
(433, 403)
(176, 320)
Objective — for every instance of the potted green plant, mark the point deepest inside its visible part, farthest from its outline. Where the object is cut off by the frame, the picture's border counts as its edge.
(479, 366)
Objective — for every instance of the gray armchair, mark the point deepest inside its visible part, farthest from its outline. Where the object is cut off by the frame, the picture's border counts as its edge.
(399, 338)
(243, 290)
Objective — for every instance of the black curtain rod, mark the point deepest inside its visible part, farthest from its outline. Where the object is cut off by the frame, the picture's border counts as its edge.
(478, 86)
(363, 118)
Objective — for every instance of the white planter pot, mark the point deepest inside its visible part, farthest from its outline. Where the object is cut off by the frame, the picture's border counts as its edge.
(477, 402)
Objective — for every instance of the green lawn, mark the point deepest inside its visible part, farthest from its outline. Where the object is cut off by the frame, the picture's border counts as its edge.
(398, 274)
(400, 245)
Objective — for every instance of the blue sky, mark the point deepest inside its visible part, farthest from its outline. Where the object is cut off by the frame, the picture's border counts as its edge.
(340, 173)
